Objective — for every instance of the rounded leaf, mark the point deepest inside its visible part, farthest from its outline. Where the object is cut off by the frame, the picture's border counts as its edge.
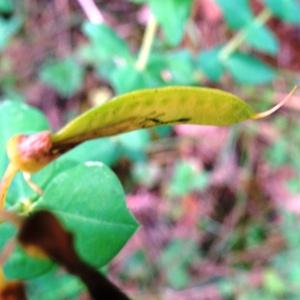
(90, 202)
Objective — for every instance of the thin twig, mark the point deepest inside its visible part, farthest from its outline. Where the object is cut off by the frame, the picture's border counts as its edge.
(240, 37)
(92, 11)
(5, 182)
(276, 107)
(148, 38)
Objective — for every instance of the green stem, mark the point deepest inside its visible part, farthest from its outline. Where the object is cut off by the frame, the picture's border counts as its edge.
(145, 50)
(240, 37)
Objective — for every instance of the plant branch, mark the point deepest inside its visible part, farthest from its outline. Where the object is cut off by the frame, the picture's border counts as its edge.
(276, 107)
(9, 174)
(146, 46)
(91, 10)
(240, 37)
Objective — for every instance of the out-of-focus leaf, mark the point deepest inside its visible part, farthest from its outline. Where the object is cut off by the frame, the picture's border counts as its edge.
(261, 38)
(180, 66)
(107, 44)
(208, 61)
(126, 78)
(7, 29)
(6, 6)
(105, 150)
(172, 15)
(53, 286)
(145, 173)
(236, 13)
(187, 179)
(90, 201)
(175, 259)
(274, 283)
(277, 154)
(287, 10)
(133, 144)
(64, 75)
(248, 69)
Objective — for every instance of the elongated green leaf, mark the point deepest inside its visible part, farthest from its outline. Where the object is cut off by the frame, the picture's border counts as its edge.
(262, 38)
(172, 15)
(287, 10)
(107, 43)
(208, 61)
(152, 107)
(8, 29)
(65, 75)
(180, 66)
(248, 69)
(6, 6)
(237, 13)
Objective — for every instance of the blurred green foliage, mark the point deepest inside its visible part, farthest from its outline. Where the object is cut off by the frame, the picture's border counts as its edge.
(112, 60)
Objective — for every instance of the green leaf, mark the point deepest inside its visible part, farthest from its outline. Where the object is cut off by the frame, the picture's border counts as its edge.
(64, 75)
(208, 61)
(261, 38)
(180, 66)
(287, 10)
(106, 43)
(186, 178)
(175, 259)
(126, 78)
(133, 144)
(277, 153)
(15, 118)
(19, 265)
(90, 201)
(274, 283)
(248, 69)
(153, 107)
(7, 29)
(53, 286)
(22, 266)
(236, 13)
(105, 150)
(172, 15)
(6, 6)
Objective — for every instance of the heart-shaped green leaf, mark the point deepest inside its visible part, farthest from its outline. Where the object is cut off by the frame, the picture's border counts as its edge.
(90, 201)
